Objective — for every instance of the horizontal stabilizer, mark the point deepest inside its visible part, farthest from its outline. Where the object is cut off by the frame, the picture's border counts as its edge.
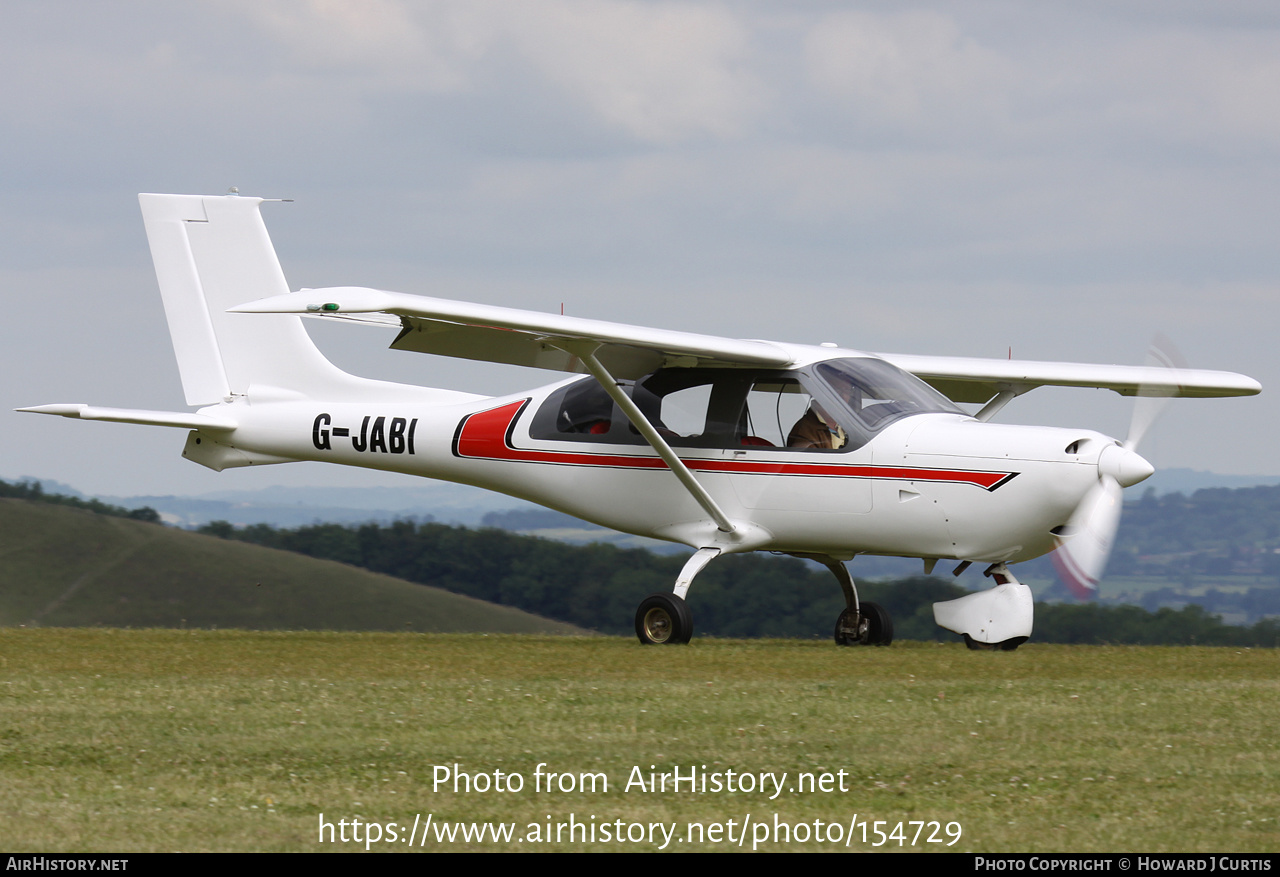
(182, 420)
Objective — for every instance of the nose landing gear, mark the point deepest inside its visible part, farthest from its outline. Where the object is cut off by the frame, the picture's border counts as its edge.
(997, 618)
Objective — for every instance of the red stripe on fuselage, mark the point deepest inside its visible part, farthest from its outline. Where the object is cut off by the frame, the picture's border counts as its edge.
(487, 435)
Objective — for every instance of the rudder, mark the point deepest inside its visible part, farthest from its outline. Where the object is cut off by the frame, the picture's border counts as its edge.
(212, 253)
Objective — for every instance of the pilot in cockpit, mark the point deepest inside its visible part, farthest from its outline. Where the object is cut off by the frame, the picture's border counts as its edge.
(817, 428)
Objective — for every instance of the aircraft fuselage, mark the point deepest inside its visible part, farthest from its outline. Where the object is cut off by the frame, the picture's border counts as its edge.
(931, 485)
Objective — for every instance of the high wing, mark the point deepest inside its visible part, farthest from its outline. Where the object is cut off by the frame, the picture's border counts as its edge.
(516, 337)
(531, 338)
(976, 380)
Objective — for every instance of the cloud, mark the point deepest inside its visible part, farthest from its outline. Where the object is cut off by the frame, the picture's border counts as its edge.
(658, 72)
(1219, 89)
(378, 43)
(915, 177)
(911, 70)
(661, 72)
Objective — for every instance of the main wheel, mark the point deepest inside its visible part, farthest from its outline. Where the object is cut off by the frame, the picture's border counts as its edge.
(874, 628)
(879, 630)
(663, 619)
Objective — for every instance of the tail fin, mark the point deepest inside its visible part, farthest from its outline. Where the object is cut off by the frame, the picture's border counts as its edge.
(211, 253)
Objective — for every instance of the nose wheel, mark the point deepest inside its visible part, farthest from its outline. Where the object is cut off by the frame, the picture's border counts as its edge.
(664, 619)
(871, 626)
(1007, 646)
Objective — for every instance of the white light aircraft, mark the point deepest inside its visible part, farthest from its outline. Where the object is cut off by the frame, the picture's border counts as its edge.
(722, 445)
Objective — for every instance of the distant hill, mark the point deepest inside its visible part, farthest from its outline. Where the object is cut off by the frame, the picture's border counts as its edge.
(94, 565)
(419, 499)
(1188, 481)
(67, 567)
(1186, 536)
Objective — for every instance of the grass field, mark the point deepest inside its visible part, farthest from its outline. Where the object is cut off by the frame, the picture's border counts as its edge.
(225, 740)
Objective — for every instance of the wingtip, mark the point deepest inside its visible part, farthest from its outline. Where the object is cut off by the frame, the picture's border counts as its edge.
(62, 409)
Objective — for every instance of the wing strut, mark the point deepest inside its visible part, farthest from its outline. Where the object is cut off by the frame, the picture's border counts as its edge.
(1008, 392)
(586, 351)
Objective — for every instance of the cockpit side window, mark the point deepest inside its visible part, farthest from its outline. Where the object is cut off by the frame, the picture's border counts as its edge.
(773, 407)
(688, 407)
(740, 408)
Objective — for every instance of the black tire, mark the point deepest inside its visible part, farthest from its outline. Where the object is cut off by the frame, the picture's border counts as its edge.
(663, 619)
(875, 627)
(1007, 646)
(879, 624)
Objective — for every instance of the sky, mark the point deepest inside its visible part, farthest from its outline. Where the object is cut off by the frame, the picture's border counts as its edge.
(1052, 181)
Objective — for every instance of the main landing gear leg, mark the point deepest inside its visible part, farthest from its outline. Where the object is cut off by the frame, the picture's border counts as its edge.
(665, 619)
(997, 618)
(861, 623)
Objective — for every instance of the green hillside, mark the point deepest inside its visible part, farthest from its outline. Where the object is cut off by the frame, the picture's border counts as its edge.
(68, 567)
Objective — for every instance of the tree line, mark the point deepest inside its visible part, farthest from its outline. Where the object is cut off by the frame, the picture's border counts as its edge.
(753, 595)
(598, 586)
(34, 492)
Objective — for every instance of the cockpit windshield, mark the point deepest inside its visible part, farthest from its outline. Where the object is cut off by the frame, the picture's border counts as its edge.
(878, 393)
